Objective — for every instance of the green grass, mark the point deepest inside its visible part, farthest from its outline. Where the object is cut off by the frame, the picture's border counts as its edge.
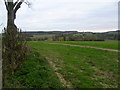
(83, 67)
(101, 44)
(35, 72)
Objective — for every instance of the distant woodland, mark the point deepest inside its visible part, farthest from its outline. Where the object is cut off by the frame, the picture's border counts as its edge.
(71, 36)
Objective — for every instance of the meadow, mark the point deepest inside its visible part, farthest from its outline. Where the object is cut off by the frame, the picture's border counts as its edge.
(35, 72)
(62, 66)
(111, 44)
(82, 67)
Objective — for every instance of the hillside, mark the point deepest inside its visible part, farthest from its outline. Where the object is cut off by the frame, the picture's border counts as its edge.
(71, 36)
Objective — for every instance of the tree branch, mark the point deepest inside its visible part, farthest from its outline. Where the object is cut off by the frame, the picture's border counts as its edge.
(28, 3)
(15, 3)
(18, 5)
(6, 4)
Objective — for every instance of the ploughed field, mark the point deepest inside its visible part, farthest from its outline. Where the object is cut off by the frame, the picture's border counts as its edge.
(80, 67)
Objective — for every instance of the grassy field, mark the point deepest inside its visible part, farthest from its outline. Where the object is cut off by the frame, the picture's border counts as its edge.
(82, 67)
(35, 72)
(102, 44)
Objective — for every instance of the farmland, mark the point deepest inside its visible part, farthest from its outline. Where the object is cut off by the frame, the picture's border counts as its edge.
(71, 36)
(59, 45)
(62, 66)
(81, 67)
(101, 44)
(35, 72)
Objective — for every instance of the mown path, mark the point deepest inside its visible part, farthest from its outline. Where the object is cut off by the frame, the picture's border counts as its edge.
(88, 47)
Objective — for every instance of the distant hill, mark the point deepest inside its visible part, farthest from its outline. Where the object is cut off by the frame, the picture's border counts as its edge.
(58, 32)
(72, 35)
(49, 32)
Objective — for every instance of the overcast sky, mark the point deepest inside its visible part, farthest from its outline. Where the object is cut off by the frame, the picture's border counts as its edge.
(66, 15)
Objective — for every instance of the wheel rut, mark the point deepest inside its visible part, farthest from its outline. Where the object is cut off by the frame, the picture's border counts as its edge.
(65, 83)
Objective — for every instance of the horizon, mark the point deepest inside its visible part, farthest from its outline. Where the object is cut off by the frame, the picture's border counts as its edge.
(69, 30)
(66, 31)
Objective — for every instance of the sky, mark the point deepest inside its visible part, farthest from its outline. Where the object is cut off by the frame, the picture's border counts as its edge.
(65, 15)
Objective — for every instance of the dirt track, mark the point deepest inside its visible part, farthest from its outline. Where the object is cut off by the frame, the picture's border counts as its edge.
(65, 83)
(88, 47)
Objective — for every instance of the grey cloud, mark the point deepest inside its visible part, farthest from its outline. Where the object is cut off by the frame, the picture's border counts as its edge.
(68, 15)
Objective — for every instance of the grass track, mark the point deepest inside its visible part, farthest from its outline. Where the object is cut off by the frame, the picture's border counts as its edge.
(100, 44)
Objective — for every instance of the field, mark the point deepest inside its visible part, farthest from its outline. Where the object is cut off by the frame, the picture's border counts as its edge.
(54, 65)
(80, 67)
(102, 44)
(35, 72)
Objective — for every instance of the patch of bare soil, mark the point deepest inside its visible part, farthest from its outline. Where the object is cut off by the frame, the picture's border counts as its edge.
(88, 47)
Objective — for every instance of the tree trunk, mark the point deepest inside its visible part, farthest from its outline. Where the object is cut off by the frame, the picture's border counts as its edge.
(11, 19)
(10, 16)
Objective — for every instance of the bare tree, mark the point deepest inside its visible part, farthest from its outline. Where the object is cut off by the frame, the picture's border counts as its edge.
(14, 48)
